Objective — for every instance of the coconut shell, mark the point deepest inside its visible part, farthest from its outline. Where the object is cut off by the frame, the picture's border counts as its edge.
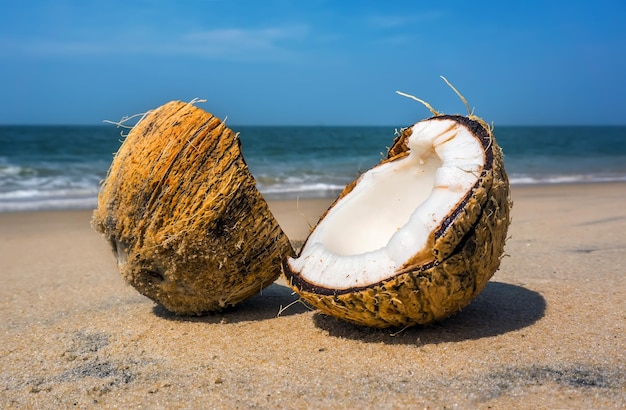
(466, 251)
(183, 215)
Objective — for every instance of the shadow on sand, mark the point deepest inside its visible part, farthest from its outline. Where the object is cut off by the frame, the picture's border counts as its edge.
(267, 304)
(500, 308)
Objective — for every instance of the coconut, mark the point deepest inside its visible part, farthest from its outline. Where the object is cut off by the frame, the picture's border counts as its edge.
(416, 238)
(183, 215)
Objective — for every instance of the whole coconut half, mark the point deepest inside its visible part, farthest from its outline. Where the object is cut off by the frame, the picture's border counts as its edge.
(183, 215)
(417, 237)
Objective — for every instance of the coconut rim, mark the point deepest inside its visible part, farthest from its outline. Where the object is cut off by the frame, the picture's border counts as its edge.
(482, 133)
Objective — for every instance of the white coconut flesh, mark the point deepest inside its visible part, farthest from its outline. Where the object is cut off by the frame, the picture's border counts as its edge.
(393, 209)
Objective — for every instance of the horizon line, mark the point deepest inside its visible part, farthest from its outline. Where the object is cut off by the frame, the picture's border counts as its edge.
(104, 124)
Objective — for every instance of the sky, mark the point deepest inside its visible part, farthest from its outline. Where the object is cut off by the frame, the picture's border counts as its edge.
(314, 62)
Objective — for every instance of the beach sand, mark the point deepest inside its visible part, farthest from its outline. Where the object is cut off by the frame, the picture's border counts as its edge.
(547, 332)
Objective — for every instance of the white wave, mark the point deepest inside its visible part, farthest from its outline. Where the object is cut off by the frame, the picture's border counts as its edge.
(35, 200)
(564, 179)
(50, 204)
(11, 170)
(300, 188)
(83, 195)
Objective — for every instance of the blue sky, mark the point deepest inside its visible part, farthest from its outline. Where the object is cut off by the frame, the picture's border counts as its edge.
(314, 62)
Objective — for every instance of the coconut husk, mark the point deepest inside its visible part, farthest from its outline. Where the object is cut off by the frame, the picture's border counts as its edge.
(183, 215)
(466, 251)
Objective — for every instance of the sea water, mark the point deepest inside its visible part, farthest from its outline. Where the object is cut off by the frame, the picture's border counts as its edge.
(61, 167)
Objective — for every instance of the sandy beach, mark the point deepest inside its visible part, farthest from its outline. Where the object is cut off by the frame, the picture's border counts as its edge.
(547, 332)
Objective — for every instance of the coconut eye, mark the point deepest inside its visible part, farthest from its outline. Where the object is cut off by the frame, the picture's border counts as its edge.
(392, 247)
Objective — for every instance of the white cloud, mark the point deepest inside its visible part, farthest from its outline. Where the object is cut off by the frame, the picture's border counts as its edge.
(389, 21)
(276, 42)
(224, 43)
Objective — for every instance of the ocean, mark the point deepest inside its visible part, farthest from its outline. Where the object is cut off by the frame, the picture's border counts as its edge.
(61, 167)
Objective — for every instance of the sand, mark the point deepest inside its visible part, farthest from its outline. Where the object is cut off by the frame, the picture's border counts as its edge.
(547, 332)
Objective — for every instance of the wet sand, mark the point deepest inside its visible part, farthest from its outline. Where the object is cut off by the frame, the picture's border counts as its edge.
(547, 332)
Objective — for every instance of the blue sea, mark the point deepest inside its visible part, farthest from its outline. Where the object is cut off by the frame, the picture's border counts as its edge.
(61, 167)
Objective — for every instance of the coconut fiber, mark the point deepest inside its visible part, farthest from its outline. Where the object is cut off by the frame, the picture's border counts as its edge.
(183, 215)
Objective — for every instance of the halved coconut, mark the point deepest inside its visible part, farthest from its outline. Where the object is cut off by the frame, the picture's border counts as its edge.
(415, 238)
(183, 215)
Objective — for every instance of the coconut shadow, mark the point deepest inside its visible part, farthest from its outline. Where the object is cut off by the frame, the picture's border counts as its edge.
(500, 308)
(275, 300)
